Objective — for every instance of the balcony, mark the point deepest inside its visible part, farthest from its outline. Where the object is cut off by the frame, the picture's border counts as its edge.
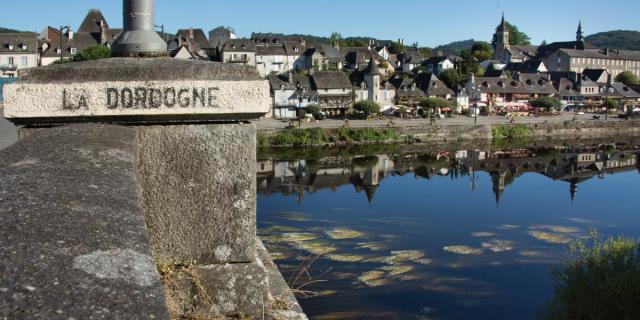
(9, 67)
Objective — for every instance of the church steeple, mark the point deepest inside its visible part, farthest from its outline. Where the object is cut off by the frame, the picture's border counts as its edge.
(580, 33)
(502, 35)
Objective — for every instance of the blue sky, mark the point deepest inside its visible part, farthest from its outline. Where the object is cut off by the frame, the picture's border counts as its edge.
(427, 22)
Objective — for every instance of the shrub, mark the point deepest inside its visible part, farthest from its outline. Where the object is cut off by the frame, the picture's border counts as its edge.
(601, 280)
(546, 103)
(628, 78)
(367, 107)
(433, 103)
(95, 52)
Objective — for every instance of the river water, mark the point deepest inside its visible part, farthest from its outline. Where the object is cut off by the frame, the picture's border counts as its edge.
(438, 233)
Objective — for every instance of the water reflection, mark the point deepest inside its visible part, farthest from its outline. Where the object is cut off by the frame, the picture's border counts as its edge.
(415, 234)
(573, 165)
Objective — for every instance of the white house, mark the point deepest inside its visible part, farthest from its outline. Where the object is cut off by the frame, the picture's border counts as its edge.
(437, 65)
(17, 51)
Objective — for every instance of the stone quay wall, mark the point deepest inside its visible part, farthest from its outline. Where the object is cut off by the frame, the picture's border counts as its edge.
(89, 214)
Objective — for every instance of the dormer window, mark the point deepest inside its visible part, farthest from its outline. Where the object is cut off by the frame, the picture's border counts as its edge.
(434, 84)
(514, 83)
(58, 51)
(295, 49)
(485, 84)
(24, 47)
(501, 84)
(233, 46)
(244, 46)
(10, 47)
(540, 82)
(529, 82)
(74, 50)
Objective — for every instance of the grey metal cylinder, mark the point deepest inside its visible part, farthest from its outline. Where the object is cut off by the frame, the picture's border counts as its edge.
(139, 37)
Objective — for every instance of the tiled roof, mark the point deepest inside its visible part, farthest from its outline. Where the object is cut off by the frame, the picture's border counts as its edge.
(199, 37)
(331, 80)
(602, 54)
(17, 40)
(239, 45)
(91, 22)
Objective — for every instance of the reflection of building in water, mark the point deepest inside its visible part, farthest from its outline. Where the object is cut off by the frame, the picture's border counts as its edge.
(573, 165)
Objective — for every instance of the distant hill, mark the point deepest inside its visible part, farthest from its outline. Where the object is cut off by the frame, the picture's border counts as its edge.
(455, 47)
(6, 30)
(619, 39)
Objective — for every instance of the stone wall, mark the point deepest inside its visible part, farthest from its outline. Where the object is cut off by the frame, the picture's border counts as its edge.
(90, 213)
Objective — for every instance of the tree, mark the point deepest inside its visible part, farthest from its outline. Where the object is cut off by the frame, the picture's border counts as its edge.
(336, 37)
(600, 280)
(546, 103)
(517, 37)
(628, 78)
(95, 52)
(544, 43)
(434, 103)
(367, 107)
(426, 52)
(451, 77)
(481, 51)
(396, 48)
(611, 104)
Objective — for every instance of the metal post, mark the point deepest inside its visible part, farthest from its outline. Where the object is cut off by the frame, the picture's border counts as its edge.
(61, 57)
(606, 100)
(139, 37)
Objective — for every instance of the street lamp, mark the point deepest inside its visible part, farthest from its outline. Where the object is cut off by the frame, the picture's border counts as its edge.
(475, 103)
(62, 28)
(300, 111)
(606, 100)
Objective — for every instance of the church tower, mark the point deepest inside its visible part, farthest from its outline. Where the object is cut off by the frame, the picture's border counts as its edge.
(501, 42)
(502, 35)
(372, 78)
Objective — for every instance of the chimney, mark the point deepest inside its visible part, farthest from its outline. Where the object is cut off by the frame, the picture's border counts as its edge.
(191, 40)
(70, 34)
(303, 42)
(179, 36)
(290, 77)
(103, 32)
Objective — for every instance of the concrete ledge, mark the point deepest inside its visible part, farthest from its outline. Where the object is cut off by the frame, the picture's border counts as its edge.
(72, 237)
(126, 90)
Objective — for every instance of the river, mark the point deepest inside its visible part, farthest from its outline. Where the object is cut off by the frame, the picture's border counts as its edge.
(438, 233)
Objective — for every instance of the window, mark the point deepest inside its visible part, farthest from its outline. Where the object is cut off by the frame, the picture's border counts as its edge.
(10, 47)
(58, 51)
(11, 61)
(73, 50)
(24, 61)
(24, 47)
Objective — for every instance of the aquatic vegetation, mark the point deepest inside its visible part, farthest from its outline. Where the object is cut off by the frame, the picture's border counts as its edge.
(531, 253)
(463, 250)
(424, 262)
(398, 257)
(483, 234)
(290, 237)
(276, 255)
(558, 229)
(397, 269)
(373, 246)
(345, 257)
(369, 277)
(508, 227)
(498, 245)
(323, 293)
(293, 216)
(549, 237)
(277, 229)
(343, 233)
(315, 247)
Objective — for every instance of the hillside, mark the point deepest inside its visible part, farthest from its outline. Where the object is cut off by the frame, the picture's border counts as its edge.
(455, 47)
(6, 30)
(619, 39)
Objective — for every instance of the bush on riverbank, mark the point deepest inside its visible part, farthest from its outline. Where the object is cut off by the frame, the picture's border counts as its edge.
(319, 137)
(516, 135)
(601, 280)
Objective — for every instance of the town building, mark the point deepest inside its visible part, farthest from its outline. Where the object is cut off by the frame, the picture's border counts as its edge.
(17, 51)
(331, 90)
(437, 65)
(195, 40)
(220, 35)
(240, 51)
(507, 53)
(369, 85)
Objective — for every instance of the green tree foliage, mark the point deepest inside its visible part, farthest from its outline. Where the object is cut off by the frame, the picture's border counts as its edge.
(482, 51)
(517, 37)
(367, 107)
(547, 103)
(426, 52)
(611, 104)
(627, 78)
(451, 78)
(396, 48)
(434, 103)
(95, 52)
(600, 280)
(455, 47)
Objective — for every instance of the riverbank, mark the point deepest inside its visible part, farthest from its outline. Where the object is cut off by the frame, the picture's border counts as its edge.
(523, 131)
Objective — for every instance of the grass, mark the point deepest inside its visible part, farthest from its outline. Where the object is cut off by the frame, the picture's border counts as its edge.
(511, 135)
(323, 137)
(600, 280)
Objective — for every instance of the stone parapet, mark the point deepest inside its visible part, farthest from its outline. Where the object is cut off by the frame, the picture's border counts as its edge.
(72, 238)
